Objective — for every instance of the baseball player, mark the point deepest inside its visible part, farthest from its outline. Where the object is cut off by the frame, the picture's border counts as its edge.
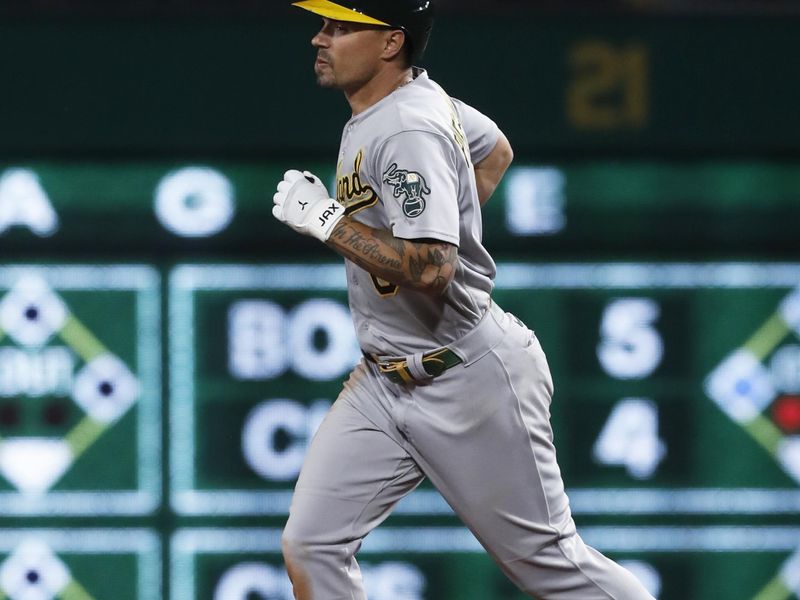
(451, 387)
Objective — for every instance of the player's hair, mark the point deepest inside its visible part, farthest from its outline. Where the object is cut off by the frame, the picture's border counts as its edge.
(408, 50)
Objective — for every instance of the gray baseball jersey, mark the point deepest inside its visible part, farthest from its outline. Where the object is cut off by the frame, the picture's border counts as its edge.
(480, 431)
(405, 165)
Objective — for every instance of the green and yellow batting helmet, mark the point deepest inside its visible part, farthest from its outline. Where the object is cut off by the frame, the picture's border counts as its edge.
(414, 17)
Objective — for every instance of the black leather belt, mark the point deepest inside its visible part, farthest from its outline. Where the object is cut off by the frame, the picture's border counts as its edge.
(435, 363)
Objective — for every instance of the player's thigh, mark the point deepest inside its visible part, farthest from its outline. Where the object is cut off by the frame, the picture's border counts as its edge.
(484, 438)
(355, 471)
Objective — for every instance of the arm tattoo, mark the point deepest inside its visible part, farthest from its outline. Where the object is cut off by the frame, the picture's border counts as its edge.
(422, 265)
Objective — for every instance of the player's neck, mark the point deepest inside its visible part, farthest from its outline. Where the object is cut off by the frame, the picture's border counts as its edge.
(377, 88)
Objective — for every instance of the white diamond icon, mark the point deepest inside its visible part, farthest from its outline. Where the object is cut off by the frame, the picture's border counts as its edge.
(31, 313)
(741, 386)
(33, 572)
(105, 388)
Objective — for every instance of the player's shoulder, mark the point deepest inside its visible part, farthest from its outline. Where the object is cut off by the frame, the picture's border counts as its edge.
(421, 106)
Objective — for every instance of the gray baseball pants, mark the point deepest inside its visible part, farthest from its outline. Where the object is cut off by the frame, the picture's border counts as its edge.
(481, 433)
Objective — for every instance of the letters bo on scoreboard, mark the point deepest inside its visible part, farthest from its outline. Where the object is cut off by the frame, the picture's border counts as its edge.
(79, 382)
(257, 356)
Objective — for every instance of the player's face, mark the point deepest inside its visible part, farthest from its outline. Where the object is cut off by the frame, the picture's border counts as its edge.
(348, 54)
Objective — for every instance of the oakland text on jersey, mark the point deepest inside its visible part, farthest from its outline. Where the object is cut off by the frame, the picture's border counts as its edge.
(351, 192)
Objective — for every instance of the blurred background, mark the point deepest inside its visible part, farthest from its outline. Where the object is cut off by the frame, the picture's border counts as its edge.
(167, 349)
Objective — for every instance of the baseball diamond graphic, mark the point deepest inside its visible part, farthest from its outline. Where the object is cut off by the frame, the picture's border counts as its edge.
(62, 388)
(744, 388)
(31, 314)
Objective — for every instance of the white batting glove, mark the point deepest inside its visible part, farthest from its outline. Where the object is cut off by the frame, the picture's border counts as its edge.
(316, 180)
(303, 203)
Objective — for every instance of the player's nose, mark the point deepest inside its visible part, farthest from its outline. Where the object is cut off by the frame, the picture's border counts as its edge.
(321, 40)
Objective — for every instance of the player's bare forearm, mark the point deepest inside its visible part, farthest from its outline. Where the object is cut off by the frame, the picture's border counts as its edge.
(489, 172)
(425, 266)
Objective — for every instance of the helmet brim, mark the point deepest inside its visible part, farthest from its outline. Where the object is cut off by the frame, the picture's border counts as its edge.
(337, 12)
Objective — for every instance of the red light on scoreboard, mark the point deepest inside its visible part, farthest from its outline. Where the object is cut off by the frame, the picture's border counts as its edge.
(786, 413)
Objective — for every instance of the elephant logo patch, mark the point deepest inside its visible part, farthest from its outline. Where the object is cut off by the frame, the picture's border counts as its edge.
(410, 186)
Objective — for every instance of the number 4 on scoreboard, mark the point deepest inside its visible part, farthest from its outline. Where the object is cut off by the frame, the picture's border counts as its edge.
(630, 438)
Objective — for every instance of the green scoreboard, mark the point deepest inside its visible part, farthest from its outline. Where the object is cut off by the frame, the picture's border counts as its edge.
(167, 351)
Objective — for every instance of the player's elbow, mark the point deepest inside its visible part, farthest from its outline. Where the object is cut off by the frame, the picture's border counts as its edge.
(440, 269)
(438, 284)
(505, 152)
(490, 171)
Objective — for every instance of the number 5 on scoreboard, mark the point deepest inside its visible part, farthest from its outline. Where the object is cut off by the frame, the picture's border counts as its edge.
(630, 438)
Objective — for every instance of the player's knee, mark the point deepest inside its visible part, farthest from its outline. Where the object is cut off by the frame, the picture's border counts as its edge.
(294, 559)
(308, 538)
(300, 542)
(293, 545)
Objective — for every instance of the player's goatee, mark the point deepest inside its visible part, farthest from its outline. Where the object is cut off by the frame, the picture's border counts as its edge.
(324, 79)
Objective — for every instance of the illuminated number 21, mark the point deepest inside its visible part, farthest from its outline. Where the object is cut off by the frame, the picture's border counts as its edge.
(609, 87)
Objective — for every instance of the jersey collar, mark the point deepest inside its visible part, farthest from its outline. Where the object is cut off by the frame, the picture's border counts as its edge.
(419, 74)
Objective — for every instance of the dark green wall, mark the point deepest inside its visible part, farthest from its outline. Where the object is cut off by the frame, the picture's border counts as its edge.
(245, 87)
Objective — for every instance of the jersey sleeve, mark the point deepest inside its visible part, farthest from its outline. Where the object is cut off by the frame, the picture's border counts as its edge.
(482, 132)
(419, 186)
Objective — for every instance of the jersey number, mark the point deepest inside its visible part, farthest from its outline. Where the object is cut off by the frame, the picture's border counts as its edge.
(385, 288)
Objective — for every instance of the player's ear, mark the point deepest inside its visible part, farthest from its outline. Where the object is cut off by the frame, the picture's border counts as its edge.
(394, 44)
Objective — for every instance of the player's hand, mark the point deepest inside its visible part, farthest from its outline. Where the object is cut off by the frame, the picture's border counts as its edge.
(314, 179)
(303, 203)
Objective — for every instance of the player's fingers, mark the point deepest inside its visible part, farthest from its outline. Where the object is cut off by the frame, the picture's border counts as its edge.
(277, 212)
(292, 175)
(285, 186)
(310, 175)
(278, 199)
